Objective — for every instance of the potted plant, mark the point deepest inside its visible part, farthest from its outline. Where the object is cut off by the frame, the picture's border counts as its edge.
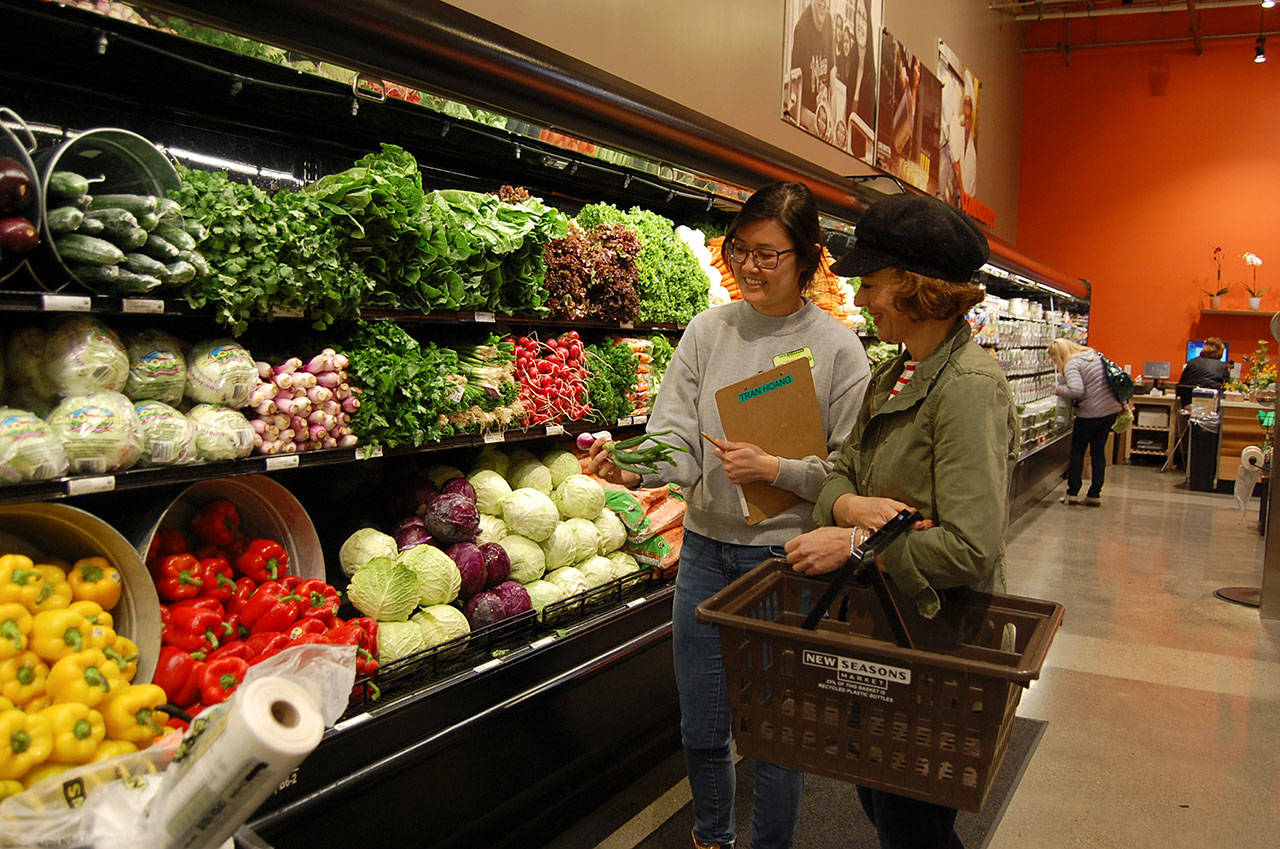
(1255, 294)
(1215, 297)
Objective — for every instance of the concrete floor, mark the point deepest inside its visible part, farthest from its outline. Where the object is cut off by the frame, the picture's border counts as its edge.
(1163, 701)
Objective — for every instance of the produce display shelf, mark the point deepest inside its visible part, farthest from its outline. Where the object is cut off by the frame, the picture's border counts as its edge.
(1164, 429)
(145, 478)
(1148, 451)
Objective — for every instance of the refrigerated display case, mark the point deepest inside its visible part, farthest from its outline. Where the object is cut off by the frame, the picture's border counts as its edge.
(506, 742)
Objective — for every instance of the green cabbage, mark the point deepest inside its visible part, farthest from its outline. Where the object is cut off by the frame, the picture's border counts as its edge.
(24, 356)
(168, 439)
(528, 563)
(520, 456)
(623, 563)
(438, 577)
(561, 464)
(441, 623)
(100, 432)
(530, 513)
(531, 475)
(157, 370)
(364, 545)
(578, 497)
(573, 540)
(492, 529)
(385, 590)
(440, 474)
(597, 570)
(493, 459)
(29, 449)
(490, 488)
(541, 593)
(611, 534)
(221, 432)
(83, 355)
(570, 580)
(220, 371)
(400, 639)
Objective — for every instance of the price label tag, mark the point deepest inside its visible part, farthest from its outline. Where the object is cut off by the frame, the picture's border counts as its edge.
(639, 420)
(358, 719)
(497, 436)
(555, 430)
(87, 486)
(624, 421)
(282, 312)
(545, 641)
(485, 318)
(142, 306)
(368, 452)
(636, 602)
(282, 461)
(626, 325)
(485, 667)
(65, 303)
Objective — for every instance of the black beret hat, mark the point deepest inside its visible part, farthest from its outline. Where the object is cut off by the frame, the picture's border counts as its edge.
(915, 233)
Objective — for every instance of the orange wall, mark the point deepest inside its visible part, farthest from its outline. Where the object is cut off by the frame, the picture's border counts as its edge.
(1136, 163)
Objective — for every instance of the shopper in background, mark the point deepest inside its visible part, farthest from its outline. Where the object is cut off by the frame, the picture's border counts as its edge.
(773, 247)
(1206, 370)
(938, 433)
(1082, 378)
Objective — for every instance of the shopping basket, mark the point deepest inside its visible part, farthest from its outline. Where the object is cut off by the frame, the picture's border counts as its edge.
(921, 708)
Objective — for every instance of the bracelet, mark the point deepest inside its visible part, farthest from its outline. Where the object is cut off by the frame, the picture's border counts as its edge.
(853, 541)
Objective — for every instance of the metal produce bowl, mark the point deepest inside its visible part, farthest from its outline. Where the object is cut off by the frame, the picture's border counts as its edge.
(60, 530)
(128, 164)
(18, 146)
(267, 511)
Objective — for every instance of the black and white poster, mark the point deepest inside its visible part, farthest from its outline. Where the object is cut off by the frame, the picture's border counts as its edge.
(959, 143)
(829, 71)
(910, 117)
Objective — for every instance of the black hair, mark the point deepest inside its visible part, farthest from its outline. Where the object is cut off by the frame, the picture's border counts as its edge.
(793, 206)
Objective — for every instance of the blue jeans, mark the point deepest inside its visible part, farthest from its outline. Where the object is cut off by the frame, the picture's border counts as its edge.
(706, 567)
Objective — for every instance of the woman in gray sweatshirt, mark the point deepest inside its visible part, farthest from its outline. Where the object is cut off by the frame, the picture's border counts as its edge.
(1082, 379)
(773, 248)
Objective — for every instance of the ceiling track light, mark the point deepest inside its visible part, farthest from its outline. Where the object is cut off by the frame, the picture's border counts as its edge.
(1260, 52)
(1267, 4)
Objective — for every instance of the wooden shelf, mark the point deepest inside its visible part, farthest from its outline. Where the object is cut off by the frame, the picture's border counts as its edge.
(1263, 313)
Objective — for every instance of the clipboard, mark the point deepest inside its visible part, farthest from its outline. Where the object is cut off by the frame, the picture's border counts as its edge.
(777, 410)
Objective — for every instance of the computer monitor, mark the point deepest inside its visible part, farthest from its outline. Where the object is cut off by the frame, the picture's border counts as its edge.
(1194, 346)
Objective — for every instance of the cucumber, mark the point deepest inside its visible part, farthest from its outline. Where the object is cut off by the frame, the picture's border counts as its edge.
(83, 202)
(143, 264)
(148, 220)
(67, 185)
(131, 283)
(170, 210)
(96, 273)
(132, 240)
(137, 204)
(160, 248)
(196, 229)
(115, 221)
(197, 259)
(175, 235)
(179, 273)
(90, 226)
(64, 219)
(75, 248)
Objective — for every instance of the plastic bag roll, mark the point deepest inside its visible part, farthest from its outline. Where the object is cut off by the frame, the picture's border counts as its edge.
(1251, 460)
(235, 757)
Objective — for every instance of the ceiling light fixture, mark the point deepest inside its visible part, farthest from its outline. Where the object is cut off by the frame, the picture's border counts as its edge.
(1267, 4)
(1260, 52)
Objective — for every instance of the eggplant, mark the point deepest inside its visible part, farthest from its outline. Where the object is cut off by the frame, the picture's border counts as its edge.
(18, 235)
(16, 186)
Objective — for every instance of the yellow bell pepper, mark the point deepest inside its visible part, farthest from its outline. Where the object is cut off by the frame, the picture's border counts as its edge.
(37, 703)
(132, 714)
(95, 579)
(19, 580)
(78, 731)
(10, 787)
(23, 678)
(101, 637)
(112, 749)
(85, 676)
(93, 611)
(26, 740)
(55, 592)
(58, 633)
(124, 652)
(15, 624)
(37, 774)
(7, 704)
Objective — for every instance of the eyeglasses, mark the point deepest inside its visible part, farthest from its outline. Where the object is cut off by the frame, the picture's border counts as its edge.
(765, 258)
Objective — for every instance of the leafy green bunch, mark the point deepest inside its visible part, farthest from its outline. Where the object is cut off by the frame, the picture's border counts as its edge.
(611, 373)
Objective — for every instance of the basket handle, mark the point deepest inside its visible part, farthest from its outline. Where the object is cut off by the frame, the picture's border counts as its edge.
(30, 141)
(862, 560)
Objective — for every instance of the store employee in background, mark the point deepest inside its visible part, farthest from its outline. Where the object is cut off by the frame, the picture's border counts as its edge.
(1207, 370)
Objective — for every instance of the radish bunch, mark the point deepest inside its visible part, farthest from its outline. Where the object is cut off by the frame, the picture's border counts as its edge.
(299, 406)
(553, 379)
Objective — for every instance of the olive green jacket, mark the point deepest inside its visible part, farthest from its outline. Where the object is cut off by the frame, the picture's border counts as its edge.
(946, 445)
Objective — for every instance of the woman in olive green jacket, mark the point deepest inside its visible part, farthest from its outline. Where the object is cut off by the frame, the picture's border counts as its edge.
(938, 433)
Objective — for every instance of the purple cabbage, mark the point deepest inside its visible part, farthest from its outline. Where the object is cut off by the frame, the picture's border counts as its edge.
(410, 532)
(460, 486)
(485, 608)
(451, 518)
(471, 565)
(420, 495)
(497, 565)
(515, 598)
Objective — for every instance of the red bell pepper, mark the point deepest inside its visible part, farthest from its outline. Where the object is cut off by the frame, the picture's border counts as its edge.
(319, 600)
(353, 635)
(305, 626)
(266, 643)
(205, 552)
(369, 626)
(177, 577)
(192, 629)
(217, 578)
(202, 602)
(166, 543)
(220, 677)
(245, 588)
(235, 628)
(177, 674)
(271, 608)
(216, 523)
(235, 648)
(292, 582)
(263, 560)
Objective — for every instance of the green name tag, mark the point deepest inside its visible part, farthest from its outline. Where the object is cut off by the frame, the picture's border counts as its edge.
(799, 354)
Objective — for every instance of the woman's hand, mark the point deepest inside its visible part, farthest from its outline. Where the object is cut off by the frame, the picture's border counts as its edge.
(600, 464)
(864, 511)
(819, 551)
(745, 462)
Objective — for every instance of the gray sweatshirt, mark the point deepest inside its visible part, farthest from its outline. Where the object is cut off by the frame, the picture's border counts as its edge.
(1084, 380)
(729, 343)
